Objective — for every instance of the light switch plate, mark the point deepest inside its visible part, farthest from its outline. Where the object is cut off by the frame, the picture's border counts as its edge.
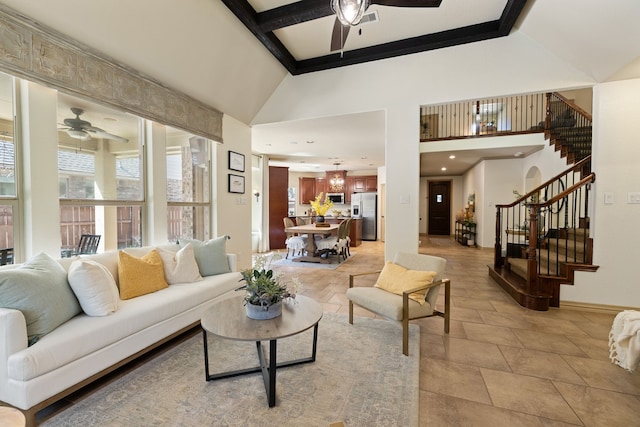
(633, 197)
(608, 198)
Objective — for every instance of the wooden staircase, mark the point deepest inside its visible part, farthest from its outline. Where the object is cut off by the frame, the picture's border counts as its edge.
(545, 233)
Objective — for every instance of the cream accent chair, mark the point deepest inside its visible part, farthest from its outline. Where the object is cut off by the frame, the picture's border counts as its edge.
(402, 308)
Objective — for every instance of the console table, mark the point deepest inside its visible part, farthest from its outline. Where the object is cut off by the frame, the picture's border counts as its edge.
(465, 233)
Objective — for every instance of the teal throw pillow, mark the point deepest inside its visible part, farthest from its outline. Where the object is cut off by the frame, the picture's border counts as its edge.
(40, 290)
(211, 255)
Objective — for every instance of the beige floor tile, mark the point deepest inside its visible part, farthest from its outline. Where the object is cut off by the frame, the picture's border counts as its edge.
(543, 341)
(509, 320)
(600, 407)
(465, 314)
(594, 348)
(453, 379)
(595, 330)
(475, 353)
(450, 411)
(530, 395)
(540, 364)
(473, 303)
(490, 334)
(605, 375)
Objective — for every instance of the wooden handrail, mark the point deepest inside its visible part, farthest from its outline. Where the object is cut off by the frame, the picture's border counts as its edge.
(573, 105)
(586, 180)
(524, 198)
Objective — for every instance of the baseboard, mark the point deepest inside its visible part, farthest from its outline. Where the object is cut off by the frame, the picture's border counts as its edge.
(594, 308)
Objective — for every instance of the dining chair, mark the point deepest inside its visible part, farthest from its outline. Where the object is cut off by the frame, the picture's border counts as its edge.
(6, 256)
(294, 242)
(88, 244)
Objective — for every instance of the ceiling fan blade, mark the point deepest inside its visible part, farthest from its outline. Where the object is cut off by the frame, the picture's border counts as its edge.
(408, 3)
(99, 133)
(338, 35)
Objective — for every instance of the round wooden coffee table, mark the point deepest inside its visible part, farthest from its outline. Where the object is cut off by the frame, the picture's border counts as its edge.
(227, 319)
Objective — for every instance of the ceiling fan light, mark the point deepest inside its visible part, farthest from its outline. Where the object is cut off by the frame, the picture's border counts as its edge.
(349, 12)
(78, 134)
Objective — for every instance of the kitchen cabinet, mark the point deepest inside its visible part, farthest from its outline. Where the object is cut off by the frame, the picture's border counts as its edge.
(362, 184)
(309, 187)
(321, 187)
(348, 189)
(371, 183)
(307, 190)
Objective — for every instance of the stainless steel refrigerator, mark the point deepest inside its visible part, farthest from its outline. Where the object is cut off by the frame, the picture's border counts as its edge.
(366, 204)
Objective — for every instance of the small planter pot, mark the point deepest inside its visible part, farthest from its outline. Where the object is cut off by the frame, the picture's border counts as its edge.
(258, 312)
(319, 219)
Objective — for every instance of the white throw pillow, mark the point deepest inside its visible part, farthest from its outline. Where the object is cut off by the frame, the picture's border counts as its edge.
(181, 266)
(94, 287)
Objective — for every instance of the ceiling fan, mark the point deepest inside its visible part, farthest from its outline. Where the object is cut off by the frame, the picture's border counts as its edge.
(82, 129)
(350, 12)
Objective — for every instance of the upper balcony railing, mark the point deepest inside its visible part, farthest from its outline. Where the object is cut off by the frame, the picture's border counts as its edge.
(485, 117)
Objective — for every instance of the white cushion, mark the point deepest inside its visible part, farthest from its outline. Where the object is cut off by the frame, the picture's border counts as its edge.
(181, 266)
(94, 287)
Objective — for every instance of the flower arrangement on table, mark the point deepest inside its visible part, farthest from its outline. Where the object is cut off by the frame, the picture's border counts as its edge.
(266, 289)
(321, 208)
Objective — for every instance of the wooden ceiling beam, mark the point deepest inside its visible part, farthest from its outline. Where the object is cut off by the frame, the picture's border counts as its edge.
(263, 24)
(294, 13)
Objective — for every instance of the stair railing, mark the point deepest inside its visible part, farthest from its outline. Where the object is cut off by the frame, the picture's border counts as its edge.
(568, 127)
(548, 226)
(564, 221)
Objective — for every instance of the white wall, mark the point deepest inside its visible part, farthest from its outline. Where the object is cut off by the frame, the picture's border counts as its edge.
(234, 210)
(501, 177)
(614, 226)
(400, 86)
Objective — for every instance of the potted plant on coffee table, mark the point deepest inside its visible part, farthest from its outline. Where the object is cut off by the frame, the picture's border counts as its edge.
(266, 290)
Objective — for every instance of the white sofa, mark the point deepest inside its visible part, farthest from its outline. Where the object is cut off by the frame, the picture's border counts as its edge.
(85, 348)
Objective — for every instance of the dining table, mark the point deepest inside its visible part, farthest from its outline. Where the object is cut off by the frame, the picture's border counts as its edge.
(311, 230)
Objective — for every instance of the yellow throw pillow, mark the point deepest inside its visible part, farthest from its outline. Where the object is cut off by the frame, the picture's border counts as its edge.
(140, 276)
(396, 279)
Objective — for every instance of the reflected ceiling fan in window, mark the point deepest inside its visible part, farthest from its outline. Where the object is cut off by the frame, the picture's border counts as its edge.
(82, 129)
(350, 12)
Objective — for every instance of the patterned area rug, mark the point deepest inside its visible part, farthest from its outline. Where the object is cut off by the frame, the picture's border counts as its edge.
(360, 377)
(334, 263)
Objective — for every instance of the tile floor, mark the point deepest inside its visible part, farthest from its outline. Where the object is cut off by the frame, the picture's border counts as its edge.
(501, 365)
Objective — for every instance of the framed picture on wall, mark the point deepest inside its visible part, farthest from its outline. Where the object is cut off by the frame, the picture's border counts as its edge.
(236, 184)
(236, 161)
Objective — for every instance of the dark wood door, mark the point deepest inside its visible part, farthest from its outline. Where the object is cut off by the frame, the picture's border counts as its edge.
(439, 208)
(278, 205)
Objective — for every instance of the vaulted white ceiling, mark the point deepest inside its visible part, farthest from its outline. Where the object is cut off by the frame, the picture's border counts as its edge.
(200, 48)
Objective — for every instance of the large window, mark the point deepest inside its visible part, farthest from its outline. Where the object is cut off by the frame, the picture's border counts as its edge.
(188, 185)
(8, 191)
(100, 174)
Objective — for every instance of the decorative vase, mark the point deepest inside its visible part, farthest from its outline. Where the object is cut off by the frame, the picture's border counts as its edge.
(259, 312)
(319, 219)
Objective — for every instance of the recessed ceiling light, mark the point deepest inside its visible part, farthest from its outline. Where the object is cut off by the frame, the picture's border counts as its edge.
(452, 156)
(518, 154)
(363, 158)
(443, 169)
(310, 142)
(293, 142)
